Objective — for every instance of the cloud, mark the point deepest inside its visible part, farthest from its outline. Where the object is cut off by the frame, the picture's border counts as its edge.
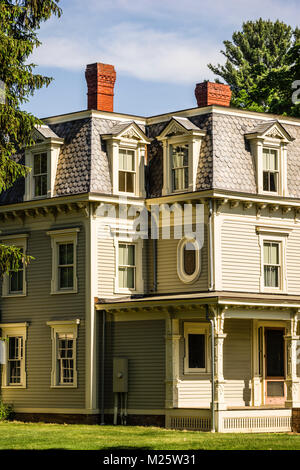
(146, 54)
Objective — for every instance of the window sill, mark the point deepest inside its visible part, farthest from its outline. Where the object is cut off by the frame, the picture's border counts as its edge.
(6, 296)
(64, 292)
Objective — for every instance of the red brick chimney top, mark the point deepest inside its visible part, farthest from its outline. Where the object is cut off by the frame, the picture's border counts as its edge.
(100, 80)
(208, 93)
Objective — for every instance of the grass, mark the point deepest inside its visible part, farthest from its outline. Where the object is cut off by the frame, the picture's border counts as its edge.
(38, 436)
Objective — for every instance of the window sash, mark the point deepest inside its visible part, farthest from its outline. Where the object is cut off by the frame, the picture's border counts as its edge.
(40, 174)
(15, 357)
(127, 172)
(272, 265)
(127, 267)
(180, 167)
(65, 265)
(270, 170)
(66, 358)
(196, 350)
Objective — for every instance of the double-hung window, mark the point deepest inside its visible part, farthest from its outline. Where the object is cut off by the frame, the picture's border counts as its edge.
(16, 279)
(40, 174)
(127, 171)
(64, 335)
(14, 371)
(66, 358)
(14, 360)
(180, 167)
(14, 282)
(270, 170)
(272, 264)
(66, 265)
(64, 260)
(127, 266)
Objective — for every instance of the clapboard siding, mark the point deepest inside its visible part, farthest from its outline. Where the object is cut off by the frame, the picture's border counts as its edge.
(240, 254)
(293, 261)
(167, 277)
(38, 307)
(143, 343)
(106, 267)
(237, 362)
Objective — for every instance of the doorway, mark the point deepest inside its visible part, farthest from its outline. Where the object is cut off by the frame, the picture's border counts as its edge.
(274, 370)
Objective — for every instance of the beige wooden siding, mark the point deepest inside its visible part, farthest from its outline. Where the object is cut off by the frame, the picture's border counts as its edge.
(167, 277)
(106, 267)
(237, 362)
(143, 343)
(293, 261)
(240, 257)
(38, 307)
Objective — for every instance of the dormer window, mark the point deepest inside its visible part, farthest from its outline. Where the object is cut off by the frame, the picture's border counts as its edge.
(40, 173)
(127, 174)
(126, 146)
(42, 158)
(268, 143)
(270, 170)
(180, 167)
(181, 141)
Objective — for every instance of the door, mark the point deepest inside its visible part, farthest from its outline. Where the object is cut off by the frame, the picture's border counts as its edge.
(274, 366)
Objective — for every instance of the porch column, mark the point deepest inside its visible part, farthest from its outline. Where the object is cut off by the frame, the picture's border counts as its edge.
(219, 377)
(292, 381)
(172, 362)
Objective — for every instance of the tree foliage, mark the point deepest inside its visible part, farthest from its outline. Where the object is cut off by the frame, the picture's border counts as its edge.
(262, 62)
(19, 22)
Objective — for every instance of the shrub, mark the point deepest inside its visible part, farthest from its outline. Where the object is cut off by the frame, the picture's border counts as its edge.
(6, 411)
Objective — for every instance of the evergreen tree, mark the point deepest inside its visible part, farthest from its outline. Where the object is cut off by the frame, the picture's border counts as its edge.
(19, 22)
(261, 61)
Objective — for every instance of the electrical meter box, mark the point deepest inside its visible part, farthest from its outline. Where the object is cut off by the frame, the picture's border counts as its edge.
(120, 375)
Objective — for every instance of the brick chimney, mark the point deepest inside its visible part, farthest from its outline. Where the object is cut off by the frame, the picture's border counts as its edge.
(208, 93)
(100, 80)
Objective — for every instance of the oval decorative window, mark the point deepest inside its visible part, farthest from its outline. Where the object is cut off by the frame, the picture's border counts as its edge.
(188, 260)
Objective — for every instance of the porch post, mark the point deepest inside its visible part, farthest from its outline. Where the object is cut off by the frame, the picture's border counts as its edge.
(219, 404)
(292, 381)
(172, 362)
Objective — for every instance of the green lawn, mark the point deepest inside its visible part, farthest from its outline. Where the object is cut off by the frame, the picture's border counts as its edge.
(17, 435)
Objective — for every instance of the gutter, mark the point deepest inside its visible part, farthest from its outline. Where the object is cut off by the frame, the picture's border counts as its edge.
(210, 253)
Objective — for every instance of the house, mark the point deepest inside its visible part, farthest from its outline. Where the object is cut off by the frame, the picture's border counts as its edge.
(165, 287)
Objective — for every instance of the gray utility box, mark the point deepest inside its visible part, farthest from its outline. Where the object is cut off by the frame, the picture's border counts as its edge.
(120, 375)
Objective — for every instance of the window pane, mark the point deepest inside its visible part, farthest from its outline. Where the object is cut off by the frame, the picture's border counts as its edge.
(43, 163)
(37, 164)
(122, 184)
(126, 255)
(196, 346)
(66, 277)
(127, 277)
(273, 182)
(189, 254)
(127, 160)
(130, 182)
(271, 275)
(66, 253)
(16, 281)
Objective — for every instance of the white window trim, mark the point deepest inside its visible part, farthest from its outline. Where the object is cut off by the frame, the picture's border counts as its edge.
(20, 241)
(196, 328)
(57, 237)
(193, 139)
(51, 148)
(63, 327)
(14, 329)
(281, 238)
(139, 281)
(258, 143)
(131, 138)
(183, 276)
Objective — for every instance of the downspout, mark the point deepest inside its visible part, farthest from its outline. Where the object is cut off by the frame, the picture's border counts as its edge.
(154, 254)
(211, 263)
(212, 345)
(102, 367)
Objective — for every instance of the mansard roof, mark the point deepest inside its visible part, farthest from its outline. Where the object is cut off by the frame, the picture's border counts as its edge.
(225, 161)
